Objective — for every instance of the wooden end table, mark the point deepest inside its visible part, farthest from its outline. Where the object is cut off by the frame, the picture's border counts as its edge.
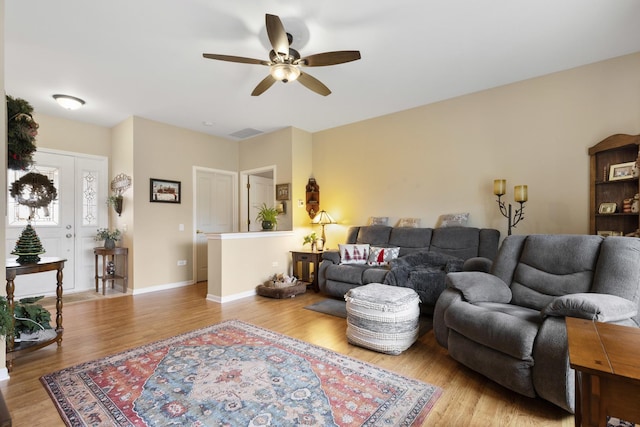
(605, 357)
(111, 255)
(14, 269)
(306, 259)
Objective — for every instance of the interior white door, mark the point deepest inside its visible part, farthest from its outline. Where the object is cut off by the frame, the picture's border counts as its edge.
(215, 211)
(261, 191)
(67, 227)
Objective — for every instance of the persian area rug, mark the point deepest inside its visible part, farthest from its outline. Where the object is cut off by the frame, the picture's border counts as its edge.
(236, 374)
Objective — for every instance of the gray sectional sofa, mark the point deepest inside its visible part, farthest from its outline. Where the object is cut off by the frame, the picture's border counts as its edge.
(509, 324)
(426, 255)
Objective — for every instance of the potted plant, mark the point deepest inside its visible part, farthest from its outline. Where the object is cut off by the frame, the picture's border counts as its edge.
(310, 238)
(109, 237)
(116, 202)
(268, 216)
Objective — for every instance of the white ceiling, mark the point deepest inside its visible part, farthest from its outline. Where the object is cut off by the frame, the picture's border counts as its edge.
(144, 57)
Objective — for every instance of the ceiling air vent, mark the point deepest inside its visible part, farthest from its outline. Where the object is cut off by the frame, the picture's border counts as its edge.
(246, 133)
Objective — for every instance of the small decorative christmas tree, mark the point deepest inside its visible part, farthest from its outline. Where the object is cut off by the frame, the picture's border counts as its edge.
(28, 246)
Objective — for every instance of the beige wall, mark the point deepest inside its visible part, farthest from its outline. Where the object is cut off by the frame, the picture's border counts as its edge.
(167, 152)
(442, 158)
(74, 136)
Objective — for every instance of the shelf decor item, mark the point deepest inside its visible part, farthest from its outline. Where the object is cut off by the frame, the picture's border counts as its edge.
(28, 246)
(520, 195)
(621, 171)
(110, 237)
(607, 208)
(268, 216)
(323, 218)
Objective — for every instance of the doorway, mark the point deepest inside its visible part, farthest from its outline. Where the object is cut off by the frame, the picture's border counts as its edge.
(215, 207)
(67, 227)
(257, 188)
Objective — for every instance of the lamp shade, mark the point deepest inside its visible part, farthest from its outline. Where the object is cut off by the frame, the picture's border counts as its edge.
(285, 72)
(323, 218)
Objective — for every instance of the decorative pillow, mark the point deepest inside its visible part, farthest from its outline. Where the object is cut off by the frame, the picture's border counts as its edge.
(354, 254)
(592, 306)
(382, 256)
(378, 220)
(409, 222)
(454, 220)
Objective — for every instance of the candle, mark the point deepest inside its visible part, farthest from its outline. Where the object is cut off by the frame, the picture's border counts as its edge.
(520, 193)
(499, 187)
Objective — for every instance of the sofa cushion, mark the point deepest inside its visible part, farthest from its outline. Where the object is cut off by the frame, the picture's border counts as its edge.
(477, 286)
(554, 265)
(375, 235)
(410, 238)
(354, 254)
(453, 220)
(349, 273)
(600, 307)
(382, 256)
(461, 242)
(508, 333)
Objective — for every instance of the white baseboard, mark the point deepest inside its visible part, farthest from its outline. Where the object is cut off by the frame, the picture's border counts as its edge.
(229, 298)
(162, 287)
(4, 374)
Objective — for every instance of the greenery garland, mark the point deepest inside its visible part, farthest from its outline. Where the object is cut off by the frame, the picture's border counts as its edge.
(21, 134)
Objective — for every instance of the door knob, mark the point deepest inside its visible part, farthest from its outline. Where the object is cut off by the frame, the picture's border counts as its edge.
(69, 235)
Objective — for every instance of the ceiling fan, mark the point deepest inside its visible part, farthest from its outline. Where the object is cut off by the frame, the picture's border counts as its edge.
(285, 62)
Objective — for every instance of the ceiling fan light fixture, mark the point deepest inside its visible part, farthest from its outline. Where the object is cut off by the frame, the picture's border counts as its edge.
(68, 102)
(284, 72)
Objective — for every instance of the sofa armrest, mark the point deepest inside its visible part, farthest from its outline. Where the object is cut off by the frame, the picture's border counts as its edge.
(331, 256)
(476, 286)
(591, 306)
(478, 264)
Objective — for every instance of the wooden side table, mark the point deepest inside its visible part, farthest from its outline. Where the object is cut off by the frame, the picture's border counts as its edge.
(604, 356)
(302, 260)
(110, 255)
(14, 269)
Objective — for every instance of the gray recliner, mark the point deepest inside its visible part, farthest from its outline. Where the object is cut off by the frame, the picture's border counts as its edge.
(509, 324)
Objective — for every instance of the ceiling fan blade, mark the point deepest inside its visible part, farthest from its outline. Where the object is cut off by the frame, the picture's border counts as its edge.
(265, 84)
(277, 35)
(240, 59)
(330, 58)
(314, 84)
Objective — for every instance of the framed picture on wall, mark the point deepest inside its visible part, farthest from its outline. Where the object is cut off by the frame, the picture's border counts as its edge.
(164, 191)
(282, 192)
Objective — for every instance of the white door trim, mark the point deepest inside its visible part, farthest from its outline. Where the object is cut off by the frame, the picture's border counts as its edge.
(234, 176)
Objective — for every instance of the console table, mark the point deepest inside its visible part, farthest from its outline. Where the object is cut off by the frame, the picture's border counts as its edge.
(306, 260)
(14, 269)
(604, 356)
(111, 255)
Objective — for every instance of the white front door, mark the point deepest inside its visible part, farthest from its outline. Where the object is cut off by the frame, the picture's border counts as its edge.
(216, 212)
(66, 228)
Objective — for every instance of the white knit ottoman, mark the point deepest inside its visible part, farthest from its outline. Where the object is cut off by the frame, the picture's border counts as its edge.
(382, 318)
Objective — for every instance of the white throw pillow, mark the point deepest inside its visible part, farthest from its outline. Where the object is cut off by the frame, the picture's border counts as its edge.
(409, 222)
(454, 220)
(354, 254)
(382, 256)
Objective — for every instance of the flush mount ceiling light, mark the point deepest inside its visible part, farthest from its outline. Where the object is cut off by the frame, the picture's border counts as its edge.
(68, 102)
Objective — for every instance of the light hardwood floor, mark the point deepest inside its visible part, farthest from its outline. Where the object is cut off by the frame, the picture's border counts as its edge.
(97, 328)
